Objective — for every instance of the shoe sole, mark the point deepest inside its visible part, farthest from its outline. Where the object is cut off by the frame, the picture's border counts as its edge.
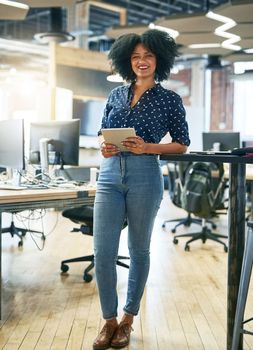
(103, 348)
(119, 346)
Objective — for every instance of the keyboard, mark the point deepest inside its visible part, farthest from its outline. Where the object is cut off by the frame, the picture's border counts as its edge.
(11, 187)
(225, 153)
(242, 151)
(36, 186)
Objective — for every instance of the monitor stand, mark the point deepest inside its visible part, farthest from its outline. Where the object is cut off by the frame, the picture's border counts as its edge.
(44, 161)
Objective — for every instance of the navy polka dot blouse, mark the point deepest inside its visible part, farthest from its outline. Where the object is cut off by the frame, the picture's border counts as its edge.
(157, 112)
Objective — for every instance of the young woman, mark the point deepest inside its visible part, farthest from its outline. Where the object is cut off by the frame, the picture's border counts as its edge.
(130, 183)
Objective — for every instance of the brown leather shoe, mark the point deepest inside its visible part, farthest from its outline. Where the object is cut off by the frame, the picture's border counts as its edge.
(103, 340)
(122, 335)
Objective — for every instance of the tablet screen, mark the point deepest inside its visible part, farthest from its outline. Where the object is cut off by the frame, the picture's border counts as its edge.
(116, 135)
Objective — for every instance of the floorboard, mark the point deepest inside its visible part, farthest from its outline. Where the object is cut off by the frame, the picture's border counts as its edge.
(183, 307)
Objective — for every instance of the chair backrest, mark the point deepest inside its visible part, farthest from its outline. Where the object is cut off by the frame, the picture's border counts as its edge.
(83, 215)
(202, 192)
(219, 184)
(176, 179)
(80, 215)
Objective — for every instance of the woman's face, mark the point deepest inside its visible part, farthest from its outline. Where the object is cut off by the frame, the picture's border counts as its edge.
(143, 62)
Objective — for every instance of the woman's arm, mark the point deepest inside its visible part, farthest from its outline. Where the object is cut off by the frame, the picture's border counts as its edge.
(162, 148)
(138, 146)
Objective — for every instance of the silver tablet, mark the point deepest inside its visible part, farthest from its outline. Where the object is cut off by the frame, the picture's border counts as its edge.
(116, 135)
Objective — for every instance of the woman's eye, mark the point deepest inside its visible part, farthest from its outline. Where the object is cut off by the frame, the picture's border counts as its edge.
(148, 55)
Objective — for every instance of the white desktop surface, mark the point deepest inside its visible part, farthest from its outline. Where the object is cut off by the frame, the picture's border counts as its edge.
(10, 196)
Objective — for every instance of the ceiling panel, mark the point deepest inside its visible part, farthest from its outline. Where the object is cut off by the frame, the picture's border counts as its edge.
(186, 23)
(243, 30)
(240, 13)
(198, 38)
(48, 3)
(205, 51)
(239, 57)
(12, 13)
(116, 31)
(247, 43)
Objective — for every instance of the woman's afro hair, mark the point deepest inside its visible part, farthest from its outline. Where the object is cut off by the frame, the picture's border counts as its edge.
(160, 43)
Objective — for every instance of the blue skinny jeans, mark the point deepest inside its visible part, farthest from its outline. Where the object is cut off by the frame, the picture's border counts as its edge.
(129, 186)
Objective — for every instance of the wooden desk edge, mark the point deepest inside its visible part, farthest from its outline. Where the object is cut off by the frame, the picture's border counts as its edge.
(11, 196)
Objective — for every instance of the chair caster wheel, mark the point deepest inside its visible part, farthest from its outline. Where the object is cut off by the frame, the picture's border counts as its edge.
(225, 249)
(20, 244)
(175, 241)
(64, 268)
(214, 226)
(87, 277)
(173, 230)
(163, 225)
(187, 248)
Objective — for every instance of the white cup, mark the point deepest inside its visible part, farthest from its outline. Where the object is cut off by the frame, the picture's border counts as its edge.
(216, 146)
(93, 176)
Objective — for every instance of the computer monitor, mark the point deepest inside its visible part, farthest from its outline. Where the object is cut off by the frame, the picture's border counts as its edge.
(12, 144)
(224, 140)
(90, 114)
(54, 142)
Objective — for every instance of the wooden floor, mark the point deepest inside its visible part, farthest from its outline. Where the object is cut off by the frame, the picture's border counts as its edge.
(184, 305)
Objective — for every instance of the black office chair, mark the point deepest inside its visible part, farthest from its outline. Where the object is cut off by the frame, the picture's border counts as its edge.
(176, 176)
(84, 215)
(218, 188)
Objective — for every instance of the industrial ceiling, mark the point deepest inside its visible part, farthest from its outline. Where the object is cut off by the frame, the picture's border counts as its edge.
(103, 22)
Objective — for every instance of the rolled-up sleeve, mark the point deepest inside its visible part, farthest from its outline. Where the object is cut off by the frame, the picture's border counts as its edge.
(178, 126)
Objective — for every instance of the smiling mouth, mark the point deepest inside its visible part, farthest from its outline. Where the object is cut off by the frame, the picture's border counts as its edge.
(142, 67)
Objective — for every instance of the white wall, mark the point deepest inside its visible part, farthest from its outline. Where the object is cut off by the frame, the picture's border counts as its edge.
(243, 107)
(195, 113)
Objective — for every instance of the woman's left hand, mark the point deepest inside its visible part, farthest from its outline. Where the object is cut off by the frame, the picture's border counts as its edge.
(135, 144)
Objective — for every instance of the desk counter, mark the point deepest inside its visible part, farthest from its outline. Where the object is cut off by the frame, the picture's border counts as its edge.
(236, 223)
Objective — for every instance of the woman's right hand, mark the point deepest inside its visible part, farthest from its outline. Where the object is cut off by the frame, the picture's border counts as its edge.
(109, 150)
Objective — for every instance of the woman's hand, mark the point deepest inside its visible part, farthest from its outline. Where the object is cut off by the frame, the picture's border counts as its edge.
(109, 150)
(135, 145)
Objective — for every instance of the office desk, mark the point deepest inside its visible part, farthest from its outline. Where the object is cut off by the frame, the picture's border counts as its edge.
(249, 181)
(236, 224)
(59, 198)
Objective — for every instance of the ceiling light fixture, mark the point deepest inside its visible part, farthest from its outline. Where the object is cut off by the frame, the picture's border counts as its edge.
(248, 50)
(57, 37)
(222, 31)
(114, 78)
(56, 33)
(14, 4)
(172, 32)
(204, 46)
